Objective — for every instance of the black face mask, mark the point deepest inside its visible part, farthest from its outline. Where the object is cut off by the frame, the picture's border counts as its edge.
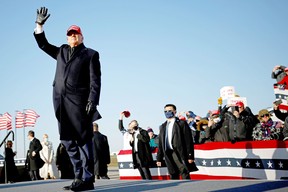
(135, 128)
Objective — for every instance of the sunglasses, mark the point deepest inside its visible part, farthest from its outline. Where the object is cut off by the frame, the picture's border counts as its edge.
(70, 33)
(265, 115)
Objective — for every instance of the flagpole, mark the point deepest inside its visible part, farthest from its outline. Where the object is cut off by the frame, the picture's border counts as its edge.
(16, 136)
(24, 140)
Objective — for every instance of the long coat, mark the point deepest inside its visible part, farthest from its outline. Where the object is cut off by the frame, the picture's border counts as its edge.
(77, 81)
(34, 162)
(101, 153)
(144, 151)
(182, 144)
(9, 163)
(47, 155)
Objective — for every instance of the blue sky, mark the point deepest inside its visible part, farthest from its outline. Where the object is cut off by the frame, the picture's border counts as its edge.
(152, 53)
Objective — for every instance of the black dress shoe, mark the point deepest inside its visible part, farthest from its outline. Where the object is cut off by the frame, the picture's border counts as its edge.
(75, 182)
(82, 186)
(105, 177)
(67, 187)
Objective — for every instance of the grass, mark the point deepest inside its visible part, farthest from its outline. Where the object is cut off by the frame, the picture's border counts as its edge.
(114, 162)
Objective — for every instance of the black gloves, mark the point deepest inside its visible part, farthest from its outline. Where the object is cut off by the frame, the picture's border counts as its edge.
(90, 107)
(223, 111)
(42, 15)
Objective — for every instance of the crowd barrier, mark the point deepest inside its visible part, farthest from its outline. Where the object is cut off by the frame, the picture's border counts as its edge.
(223, 160)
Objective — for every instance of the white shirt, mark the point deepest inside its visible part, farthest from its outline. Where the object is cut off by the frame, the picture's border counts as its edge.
(136, 140)
(38, 30)
(169, 131)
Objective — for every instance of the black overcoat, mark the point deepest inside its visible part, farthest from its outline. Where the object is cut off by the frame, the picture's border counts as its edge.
(35, 162)
(144, 151)
(101, 152)
(182, 144)
(76, 81)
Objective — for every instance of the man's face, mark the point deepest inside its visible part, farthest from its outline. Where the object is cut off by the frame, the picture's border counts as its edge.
(74, 38)
(169, 108)
(132, 125)
(9, 145)
(169, 112)
(241, 108)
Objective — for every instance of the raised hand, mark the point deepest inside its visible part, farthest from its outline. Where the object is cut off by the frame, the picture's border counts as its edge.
(42, 15)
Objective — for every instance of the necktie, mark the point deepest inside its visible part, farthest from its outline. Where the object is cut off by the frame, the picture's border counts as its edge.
(70, 52)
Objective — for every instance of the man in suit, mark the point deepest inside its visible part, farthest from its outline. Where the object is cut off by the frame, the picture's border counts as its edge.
(175, 145)
(139, 141)
(33, 157)
(76, 93)
(101, 153)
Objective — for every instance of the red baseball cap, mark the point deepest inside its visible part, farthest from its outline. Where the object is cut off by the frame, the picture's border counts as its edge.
(126, 114)
(239, 104)
(215, 112)
(74, 28)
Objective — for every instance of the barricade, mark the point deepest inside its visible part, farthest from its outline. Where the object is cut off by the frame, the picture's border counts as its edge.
(223, 160)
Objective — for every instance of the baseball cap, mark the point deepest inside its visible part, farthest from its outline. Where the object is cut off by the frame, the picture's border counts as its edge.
(126, 114)
(74, 28)
(239, 104)
(191, 114)
(215, 112)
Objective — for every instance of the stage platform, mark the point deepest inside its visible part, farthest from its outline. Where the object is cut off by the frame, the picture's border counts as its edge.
(115, 185)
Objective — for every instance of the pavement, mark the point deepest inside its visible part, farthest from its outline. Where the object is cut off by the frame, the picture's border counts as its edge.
(116, 185)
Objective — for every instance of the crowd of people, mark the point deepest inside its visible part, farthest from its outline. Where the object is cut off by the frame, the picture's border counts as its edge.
(229, 123)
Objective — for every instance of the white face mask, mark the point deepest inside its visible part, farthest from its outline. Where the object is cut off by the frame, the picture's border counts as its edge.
(217, 120)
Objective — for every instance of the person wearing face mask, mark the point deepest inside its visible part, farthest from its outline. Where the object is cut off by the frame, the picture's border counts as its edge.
(139, 142)
(218, 129)
(141, 153)
(49, 170)
(176, 145)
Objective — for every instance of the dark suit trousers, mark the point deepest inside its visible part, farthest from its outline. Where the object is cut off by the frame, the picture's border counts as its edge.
(34, 175)
(144, 171)
(81, 158)
(178, 165)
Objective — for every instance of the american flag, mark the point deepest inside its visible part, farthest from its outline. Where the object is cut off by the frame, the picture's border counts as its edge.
(30, 118)
(19, 119)
(2, 122)
(5, 121)
(282, 94)
(8, 120)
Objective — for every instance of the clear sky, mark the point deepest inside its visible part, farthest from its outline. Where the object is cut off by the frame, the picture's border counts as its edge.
(152, 52)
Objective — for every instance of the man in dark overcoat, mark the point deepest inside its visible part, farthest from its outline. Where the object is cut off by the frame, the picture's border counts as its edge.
(33, 156)
(76, 93)
(101, 153)
(175, 145)
(141, 152)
